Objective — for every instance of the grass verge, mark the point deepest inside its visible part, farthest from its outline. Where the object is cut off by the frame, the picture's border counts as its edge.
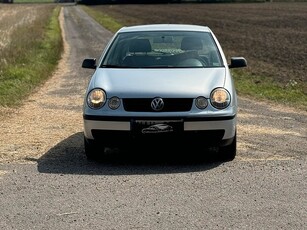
(33, 1)
(265, 88)
(257, 87)
(32, 56)
(103, 19)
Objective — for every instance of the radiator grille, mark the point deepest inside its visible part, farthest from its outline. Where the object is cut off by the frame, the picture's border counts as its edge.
(170, 104)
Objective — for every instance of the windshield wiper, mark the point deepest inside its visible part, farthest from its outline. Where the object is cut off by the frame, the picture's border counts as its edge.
(114, 66)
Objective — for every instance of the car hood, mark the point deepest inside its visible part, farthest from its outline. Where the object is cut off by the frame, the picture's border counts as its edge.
(136, 83)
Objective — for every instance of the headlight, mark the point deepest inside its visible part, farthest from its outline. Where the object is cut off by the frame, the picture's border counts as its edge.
(96, 98)
(114, 103)
(220, 98)
(201, 102)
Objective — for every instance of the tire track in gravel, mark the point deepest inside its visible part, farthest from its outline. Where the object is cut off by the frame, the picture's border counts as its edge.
(267, 131)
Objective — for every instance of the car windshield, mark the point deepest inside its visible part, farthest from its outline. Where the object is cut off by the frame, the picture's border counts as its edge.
(162, 49)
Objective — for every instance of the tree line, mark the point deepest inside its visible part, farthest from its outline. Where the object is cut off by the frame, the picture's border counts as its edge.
(96, 2)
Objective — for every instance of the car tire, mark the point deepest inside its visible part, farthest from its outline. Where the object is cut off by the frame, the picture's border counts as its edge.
(92, 150)
(228, 152)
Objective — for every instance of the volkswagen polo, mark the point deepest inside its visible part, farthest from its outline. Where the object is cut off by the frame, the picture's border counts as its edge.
(163, 83)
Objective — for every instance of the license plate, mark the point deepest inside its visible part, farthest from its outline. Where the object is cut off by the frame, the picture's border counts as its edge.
(147, 127)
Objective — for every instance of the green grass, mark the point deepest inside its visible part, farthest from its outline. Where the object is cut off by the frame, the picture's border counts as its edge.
(33, 1)
(265, 88)
(253, 86)
(31, 58)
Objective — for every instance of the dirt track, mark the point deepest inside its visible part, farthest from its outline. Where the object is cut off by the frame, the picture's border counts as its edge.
(54, 112)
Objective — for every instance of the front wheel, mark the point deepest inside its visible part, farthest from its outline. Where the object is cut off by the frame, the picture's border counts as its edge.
(228, 152)
(93, 151)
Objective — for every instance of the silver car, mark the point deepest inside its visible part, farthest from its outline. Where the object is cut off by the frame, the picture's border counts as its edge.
(161, 84)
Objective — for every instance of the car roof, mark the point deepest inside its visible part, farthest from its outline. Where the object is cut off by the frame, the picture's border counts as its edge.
(165, 27)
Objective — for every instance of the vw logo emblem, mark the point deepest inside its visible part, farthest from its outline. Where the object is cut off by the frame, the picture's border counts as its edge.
(157, 104)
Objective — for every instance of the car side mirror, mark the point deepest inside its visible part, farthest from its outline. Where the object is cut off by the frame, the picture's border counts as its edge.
(89, 63)
(237, 62)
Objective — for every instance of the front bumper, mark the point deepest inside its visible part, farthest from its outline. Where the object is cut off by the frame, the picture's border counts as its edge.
(207, 131)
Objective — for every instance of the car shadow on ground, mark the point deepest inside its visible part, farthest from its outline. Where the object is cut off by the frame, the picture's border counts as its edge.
(68, 157)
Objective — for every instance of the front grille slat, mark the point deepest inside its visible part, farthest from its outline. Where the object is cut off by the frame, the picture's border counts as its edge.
(170, 104)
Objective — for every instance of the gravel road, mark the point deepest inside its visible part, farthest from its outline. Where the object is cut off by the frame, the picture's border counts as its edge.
(47, 183)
